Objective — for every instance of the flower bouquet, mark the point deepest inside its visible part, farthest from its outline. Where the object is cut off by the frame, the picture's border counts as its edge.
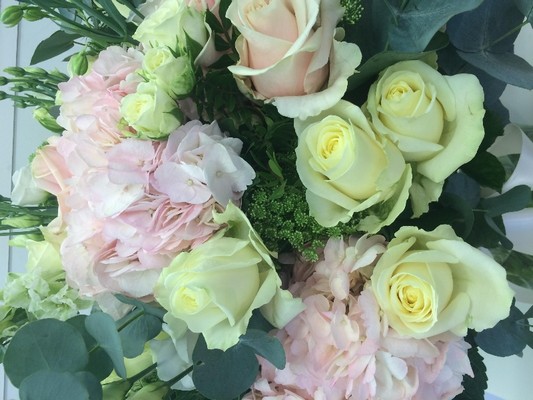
(268, 199)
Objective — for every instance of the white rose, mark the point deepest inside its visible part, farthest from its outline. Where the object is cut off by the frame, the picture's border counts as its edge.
(347, 168)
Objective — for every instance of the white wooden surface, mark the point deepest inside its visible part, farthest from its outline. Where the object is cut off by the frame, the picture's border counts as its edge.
(510, 378)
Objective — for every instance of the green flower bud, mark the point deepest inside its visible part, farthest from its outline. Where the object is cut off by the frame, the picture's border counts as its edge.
(78, 64)
(3, 80)
(15, 71)
(43, 116)
(33, 14)
(37, 71)
(24, 221)
(12, 15)
(3, 95)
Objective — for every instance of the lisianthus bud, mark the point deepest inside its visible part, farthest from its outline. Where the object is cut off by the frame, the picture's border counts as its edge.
(78, 64)
(12, 15)
(43, 116)
(33, 14)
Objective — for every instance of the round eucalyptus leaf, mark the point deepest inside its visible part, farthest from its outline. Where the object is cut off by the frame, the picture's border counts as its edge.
(46, 344)
(53, 385)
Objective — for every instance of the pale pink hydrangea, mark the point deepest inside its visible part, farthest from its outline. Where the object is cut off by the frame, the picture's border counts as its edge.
(131, 207)
(91, 102)
(341, 346)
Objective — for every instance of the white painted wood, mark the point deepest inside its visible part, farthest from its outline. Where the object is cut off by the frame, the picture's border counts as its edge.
(19, 136)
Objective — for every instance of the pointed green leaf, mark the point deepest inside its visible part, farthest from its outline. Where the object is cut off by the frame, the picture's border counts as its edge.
(266, 346)
(137, 333)
(56, 44)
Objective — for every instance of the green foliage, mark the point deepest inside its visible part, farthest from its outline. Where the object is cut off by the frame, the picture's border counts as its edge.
(224, 375)
(66, 386)
(484, 37)
(353, 10)
(46, 344)
(508, 337)
(404, 25)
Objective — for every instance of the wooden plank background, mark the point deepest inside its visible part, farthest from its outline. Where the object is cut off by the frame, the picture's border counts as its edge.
(510, 378)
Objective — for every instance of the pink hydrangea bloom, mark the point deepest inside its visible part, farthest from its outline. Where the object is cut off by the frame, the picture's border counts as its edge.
(341, 346)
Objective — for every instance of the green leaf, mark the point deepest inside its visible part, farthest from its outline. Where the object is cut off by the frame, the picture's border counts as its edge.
(56, 44)
(113, 12)
(457, 203)
(519, 269)
(526, 8)
(508, 337)
(137, 333)
(515, 199)
(45, 344)
(223, 375)
(99, 362)
(91, 383)
(53, 385)
(102, 328)
(507, 67)
(486, 169)
(485, 38)
(266, 346)
(146, 307)
(408, 26)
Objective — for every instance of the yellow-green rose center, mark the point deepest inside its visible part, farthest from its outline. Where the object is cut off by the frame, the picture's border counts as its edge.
(348, 157)
(190, 300)
(409, 107)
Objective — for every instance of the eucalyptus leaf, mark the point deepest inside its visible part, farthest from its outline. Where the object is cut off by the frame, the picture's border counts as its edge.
(53, 385)
(266, 346)
(507, 67)
(91, 383)
(515, 199)
(405, 26)
(519, 269)
(508, 337)
(99, 362)
(485, 38)
(146, 307)
(137, 333)
(102, 328)
(486, 169)
(526, 8)
(46, 344)
(56, 44)
(223, 375)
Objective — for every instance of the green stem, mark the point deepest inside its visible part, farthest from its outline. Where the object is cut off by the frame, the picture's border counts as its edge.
(180, 376)
(133, 316)
(505, 35)
(143, 373)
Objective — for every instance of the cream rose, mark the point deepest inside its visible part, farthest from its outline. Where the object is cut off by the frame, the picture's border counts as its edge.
(196, 286)
(173, 21)
(435, 120)
(288, 54)
(347, 168)
(151, 111)
(428, 283)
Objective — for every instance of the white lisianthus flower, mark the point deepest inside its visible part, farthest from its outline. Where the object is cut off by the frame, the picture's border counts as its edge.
(25, 191)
